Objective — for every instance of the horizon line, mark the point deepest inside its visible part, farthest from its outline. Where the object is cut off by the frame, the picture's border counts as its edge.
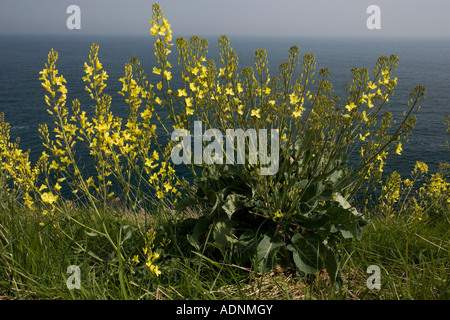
(217, 35)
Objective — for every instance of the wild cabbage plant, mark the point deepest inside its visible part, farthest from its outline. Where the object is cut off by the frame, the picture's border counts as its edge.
(305, 208)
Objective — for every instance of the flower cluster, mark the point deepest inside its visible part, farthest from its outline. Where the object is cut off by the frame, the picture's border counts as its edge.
(406, 198)
(17, 176)
(150, 255)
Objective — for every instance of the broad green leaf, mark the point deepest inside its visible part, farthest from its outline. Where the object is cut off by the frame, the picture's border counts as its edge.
(266, 253)
(314, 190)
(344, 203)
(200, 229)
(184, 203)
(223, 235)
(306, 250)
(346, 219)
(246, 246)
(233, 203)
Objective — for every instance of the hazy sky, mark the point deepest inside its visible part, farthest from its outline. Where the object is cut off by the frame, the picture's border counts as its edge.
(412, 18)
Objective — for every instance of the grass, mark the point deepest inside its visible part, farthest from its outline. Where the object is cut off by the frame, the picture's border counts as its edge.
(413, 258)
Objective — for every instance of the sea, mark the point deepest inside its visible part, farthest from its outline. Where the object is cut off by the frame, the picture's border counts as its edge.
(423, 62)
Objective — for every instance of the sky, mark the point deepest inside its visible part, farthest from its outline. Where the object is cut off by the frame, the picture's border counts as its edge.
(398, 18)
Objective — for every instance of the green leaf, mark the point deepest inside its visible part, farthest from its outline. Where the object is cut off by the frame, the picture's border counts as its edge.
(266, 253)
(200, 229)
(346, 219)
(184, 203)
(246, 246)
(127, 235)
(233, 203)
(223, 235)
(306, 251)
(344, 203)
(92, 234)
(314, 190)
(330, 259)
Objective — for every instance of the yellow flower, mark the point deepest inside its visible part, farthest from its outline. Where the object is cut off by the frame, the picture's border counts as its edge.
(135, 259)
(189, 111)
(167, 186)
(350, 107)
(421, 167)
(408, 183)
(182, 93)
(256, 113)
(229, 91)
(155, 155)
(160, 194)
(156, 70)
(155, 270)
(194, 70)
(398, 149)
(386, 77)
(189, 102)
(146, 114)
(371, 85)
(167, 74)
(293, 98)
(298, 112)
(98, 66)
(90, 182)
(363, 98)
(363, 137)
(365, 116)
(277, 215)
(48, 197)
(154, 30)
(88, 69)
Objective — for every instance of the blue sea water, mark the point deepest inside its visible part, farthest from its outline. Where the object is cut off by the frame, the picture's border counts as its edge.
(422, 62)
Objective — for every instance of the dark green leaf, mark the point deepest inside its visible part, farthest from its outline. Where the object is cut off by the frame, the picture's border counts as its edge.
(200, 230)
(233, 203)
(306, 251)
(223, 235)
(266, 253)
(246, 246)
